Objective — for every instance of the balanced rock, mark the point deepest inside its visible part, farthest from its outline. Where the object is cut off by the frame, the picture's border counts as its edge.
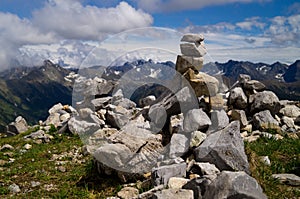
(234, 185)
(202, 83)
(225, 149)
(192, 38)
(183, 63)
(192, 50)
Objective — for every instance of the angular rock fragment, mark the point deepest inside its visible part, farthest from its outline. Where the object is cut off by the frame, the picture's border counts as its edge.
(194, 120)
(225, 149)
(234, 185)
(161, 175)
(266, 100)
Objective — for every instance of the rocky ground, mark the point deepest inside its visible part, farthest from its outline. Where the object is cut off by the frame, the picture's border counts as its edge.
(197, 140)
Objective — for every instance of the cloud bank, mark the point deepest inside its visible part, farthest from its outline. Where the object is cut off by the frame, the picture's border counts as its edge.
(64, 20)
(180, 5)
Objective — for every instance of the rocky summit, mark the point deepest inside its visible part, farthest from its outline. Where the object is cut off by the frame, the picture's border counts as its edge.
(184, 143)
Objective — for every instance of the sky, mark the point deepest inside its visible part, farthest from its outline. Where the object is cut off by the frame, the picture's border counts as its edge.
(69, 30)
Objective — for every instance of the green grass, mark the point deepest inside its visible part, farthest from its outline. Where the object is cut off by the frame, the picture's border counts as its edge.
(285, 158)
(79, 181)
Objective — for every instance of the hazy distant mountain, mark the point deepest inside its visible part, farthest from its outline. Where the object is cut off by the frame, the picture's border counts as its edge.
(283, 79)
(31, 91)
(293, 72)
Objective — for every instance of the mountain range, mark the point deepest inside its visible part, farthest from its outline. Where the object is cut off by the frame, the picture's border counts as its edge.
(31, 91)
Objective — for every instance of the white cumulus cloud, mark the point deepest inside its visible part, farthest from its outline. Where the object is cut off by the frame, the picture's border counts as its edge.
(71, 20)
(61, 20)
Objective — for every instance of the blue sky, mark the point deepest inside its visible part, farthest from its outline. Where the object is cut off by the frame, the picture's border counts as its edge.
(253, 30)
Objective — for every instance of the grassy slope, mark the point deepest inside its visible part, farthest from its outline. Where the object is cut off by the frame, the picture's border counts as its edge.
(81, 180)
(285, 158)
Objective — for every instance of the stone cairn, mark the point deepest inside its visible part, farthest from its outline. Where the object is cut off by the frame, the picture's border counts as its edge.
(198, 154)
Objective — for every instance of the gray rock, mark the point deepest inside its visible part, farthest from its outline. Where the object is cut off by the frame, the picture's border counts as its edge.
(141, 152)
(171, 104)
(98, 87)
(18, 126)
(183, 63)
(7, 147)
(190, 49)
(82, 127)
(225, 149)
(237, 98)
(197, 137)
(254, 85)
(174, 193)
(290, 179)
(234, 185)
(113, 155)
(41, 135)
(289, 122)
(149, 194)
(53, 118)
(35, 184)
(103, 87)
(100, 103)
(266, 160)
(239, 115)
(207, 168)
(161, 175)
(147, 101)
(179, 145)
(64, 117)
(194, 120)
(128, 193)
(192, 38)
(290, 111)
(14, 188)
(177, 183)
(56, 108)
(266, 100)
(116, 120)
(124, 102)
(85, 113)
(219, 120)
(264, 120)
